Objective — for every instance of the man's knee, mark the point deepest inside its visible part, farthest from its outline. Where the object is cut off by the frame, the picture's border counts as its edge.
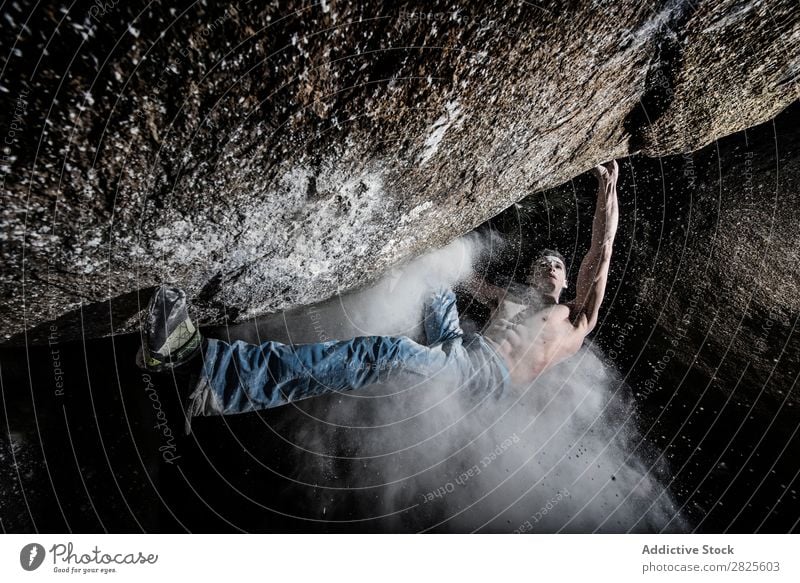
(442, 293)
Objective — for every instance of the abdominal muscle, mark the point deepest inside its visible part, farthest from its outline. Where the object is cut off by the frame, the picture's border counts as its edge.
(532, 340)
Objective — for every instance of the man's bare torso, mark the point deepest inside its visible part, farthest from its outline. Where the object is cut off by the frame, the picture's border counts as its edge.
(531, 336)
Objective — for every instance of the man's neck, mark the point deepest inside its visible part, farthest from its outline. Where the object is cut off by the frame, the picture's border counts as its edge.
(544, 298)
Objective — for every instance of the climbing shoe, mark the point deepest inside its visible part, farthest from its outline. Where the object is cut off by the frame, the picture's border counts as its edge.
(170, 337)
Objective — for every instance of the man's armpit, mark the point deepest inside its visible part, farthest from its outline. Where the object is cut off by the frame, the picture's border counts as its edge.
(578, 317)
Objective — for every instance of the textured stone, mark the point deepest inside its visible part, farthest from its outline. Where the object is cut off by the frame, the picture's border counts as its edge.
(268, 157)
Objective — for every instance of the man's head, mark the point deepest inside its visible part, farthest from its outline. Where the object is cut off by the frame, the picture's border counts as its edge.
(549, 273)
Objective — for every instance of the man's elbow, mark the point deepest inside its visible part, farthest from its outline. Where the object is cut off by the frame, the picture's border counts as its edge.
(606, 249)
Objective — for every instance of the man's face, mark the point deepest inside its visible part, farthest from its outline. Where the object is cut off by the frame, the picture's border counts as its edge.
(548, 274)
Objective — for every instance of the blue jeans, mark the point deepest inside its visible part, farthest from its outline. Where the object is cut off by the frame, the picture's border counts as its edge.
(239, 377)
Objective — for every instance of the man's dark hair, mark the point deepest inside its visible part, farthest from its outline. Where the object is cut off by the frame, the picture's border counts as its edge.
(554, 253)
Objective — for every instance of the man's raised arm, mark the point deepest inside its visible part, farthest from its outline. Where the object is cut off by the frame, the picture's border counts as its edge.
(593, 274)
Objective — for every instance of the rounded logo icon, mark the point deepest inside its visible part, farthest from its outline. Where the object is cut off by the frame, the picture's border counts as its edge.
(31, 556)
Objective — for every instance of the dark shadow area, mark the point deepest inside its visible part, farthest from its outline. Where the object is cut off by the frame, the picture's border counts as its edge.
(91, 319)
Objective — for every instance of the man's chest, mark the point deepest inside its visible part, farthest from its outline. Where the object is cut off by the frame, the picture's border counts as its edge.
(533, 339)
(528, 323)
(545, 323)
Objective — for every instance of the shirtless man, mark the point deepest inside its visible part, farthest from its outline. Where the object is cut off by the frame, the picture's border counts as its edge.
(536, 332)
(526, 336)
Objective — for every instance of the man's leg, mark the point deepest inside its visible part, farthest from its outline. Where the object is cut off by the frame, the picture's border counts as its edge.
(241, 377)
(441, 317)
(481, 370)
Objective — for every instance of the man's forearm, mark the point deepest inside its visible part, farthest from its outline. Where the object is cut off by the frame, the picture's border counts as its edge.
(606, 217)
